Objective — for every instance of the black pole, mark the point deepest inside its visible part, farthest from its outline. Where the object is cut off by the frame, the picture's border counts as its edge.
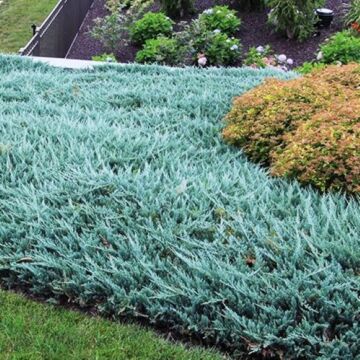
(33, 26)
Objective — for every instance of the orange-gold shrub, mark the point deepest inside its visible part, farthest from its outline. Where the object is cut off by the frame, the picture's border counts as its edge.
(307, 128)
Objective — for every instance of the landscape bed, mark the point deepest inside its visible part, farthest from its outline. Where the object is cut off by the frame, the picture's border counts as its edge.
(254, 31)
(118, 192)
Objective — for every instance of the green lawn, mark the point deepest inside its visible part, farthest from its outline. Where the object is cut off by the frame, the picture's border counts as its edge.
(16, 18)
(33, 331)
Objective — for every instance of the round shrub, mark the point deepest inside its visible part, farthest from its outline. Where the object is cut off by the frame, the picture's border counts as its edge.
(220, 50)
(220, 18)
(150, 26)
(325, 151)
(343, 47)
(307, 128)
(161, 50)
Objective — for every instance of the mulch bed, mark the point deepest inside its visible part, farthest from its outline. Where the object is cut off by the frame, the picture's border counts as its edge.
(254, 32)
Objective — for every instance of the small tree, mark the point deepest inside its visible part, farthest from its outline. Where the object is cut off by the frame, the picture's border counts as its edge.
(295, 18)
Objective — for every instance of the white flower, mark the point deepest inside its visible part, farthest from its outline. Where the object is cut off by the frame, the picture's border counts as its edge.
(228, 40)
(319, 56)
(290, 61)
(260, 49)
(217, 31)
(234, 47)
(202, 61)
(208, 11)
(282, 58)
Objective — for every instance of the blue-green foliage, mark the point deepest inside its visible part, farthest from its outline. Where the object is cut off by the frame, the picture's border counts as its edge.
(117, 191)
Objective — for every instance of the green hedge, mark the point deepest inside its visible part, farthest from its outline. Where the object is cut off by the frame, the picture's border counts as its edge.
(118, 192)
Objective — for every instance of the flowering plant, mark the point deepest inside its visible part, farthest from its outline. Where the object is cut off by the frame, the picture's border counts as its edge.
(262, 57)
(222, 50)
(220, 18)
(205, 47)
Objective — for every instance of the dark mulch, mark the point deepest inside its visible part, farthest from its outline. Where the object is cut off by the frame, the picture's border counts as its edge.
(254, 32)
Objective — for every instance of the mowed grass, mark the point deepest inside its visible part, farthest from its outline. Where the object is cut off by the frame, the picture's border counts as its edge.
(34, 331)
(16, 18)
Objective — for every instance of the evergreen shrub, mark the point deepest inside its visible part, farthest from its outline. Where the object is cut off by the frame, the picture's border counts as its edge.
(294, 18)
(308, 128)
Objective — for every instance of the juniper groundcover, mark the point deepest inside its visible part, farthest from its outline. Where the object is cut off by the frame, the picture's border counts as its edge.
(118, 192)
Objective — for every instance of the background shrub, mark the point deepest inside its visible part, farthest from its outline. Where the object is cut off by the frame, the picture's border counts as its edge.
(220, 18)
(221, 50)
(308, 67)
(104, 58)
(161, 50)
(150, 26)
(276, 123)
(343, 47)
(108, 31)
(294, 18)
(177, 8)
(131, 6)
(217, 47)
